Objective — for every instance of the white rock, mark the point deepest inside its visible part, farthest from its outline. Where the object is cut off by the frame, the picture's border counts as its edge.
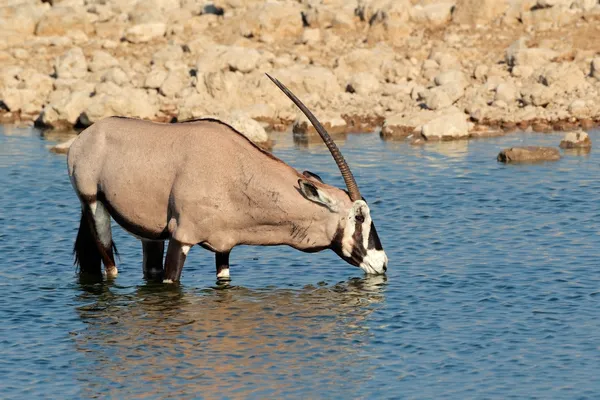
(250, 128)
(311, 36)
(579, 108)
(116, 75)
(447, 126)
(67, 109)
(102, 60)
(450, 76)
(363, 83)
(506, 92)
(576, 139)
(145, 32)
(595, 70)
(155, 78)
(72, 64)
(177, 79)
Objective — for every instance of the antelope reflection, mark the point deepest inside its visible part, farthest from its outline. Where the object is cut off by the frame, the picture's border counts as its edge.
(178, 341)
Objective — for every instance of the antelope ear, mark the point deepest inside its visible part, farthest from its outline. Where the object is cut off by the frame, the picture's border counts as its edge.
(312, 175)
(314, 194)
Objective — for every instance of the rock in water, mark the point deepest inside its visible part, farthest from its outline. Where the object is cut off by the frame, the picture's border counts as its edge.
(529, 154)
(576, 140)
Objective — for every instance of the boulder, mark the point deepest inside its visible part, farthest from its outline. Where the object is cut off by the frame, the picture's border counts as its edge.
(146, 32)
(537, 94)
(176, 80)
(71, 64)
(167, 53)
(101, 60)
(576, 140)
(449, 126)
(332, 122)
(506, 92)
(278, 20)
(528, 154)
(363, 83)
(519, 54)
(21, 19)
(443, 96)
(250, 128)
(595, 70)
(111, 99)
(432, 14)
(155, 78)
(563, 77)
(478, 12)
(57, 21)
(66, 110)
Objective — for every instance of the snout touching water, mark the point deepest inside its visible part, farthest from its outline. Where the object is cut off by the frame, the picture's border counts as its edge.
(492, 287)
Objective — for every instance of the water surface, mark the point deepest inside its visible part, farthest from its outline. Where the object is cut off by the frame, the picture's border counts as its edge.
(493, 288)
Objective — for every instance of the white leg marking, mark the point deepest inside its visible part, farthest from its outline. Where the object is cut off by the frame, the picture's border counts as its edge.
(112, 273)
(185, 249)
(224, 273)
(167, 281)
(102, 221)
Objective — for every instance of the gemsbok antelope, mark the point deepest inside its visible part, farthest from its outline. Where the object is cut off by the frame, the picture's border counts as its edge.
(202, 182)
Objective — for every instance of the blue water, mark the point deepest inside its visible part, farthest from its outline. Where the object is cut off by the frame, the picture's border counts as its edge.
(493, 288)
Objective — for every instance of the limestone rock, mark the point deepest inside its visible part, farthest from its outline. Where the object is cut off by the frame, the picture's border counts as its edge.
(66, 110)
(332, 122)
(478, 12)
(576, 140)
(72, 64)
(250, 128)
(363, 83)
(101, 60)
(528, 154)
(146, 32)
(519, 54)
(279, 20)
(57, 21)
(537, 95)
(449, 126)
(595, 70)
(432, 14)
(176, 80)
(506, 92)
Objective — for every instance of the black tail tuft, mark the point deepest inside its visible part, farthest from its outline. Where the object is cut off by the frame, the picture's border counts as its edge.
(86, 252)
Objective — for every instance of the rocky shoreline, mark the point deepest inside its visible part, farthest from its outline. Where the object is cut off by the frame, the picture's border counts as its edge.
(426, 70)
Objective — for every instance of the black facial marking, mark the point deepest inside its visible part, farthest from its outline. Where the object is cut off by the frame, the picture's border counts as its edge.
(374, 242)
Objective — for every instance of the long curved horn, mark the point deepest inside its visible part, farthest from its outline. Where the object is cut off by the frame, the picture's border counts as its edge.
(335, 152)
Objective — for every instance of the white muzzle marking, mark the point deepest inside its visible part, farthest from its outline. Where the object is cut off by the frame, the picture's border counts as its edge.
(374, 262)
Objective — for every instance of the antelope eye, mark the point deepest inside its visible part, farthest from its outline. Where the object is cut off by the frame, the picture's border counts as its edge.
(360, 218)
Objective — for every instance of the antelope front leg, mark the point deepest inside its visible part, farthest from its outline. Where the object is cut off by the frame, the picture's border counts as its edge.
(176, 254)
(222, 261)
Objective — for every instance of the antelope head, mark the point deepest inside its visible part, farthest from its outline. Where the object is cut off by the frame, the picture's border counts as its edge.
(356, 240)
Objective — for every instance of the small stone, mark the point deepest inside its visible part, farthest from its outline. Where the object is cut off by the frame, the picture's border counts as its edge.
(142, 33)
(63, 148)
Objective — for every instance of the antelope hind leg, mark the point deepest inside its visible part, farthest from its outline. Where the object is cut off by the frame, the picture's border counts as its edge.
(222, 263)
(153, 258)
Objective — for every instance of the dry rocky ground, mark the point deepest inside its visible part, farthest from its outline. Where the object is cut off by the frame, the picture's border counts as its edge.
(427, 69)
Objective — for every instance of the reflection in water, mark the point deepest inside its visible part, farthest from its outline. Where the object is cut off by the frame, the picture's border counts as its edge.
(314, 140)
(267, 342)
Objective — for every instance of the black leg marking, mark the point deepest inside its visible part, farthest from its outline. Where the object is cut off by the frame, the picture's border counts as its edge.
(176, 255)
(87, 254)
(222, 263)
(153, 258)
